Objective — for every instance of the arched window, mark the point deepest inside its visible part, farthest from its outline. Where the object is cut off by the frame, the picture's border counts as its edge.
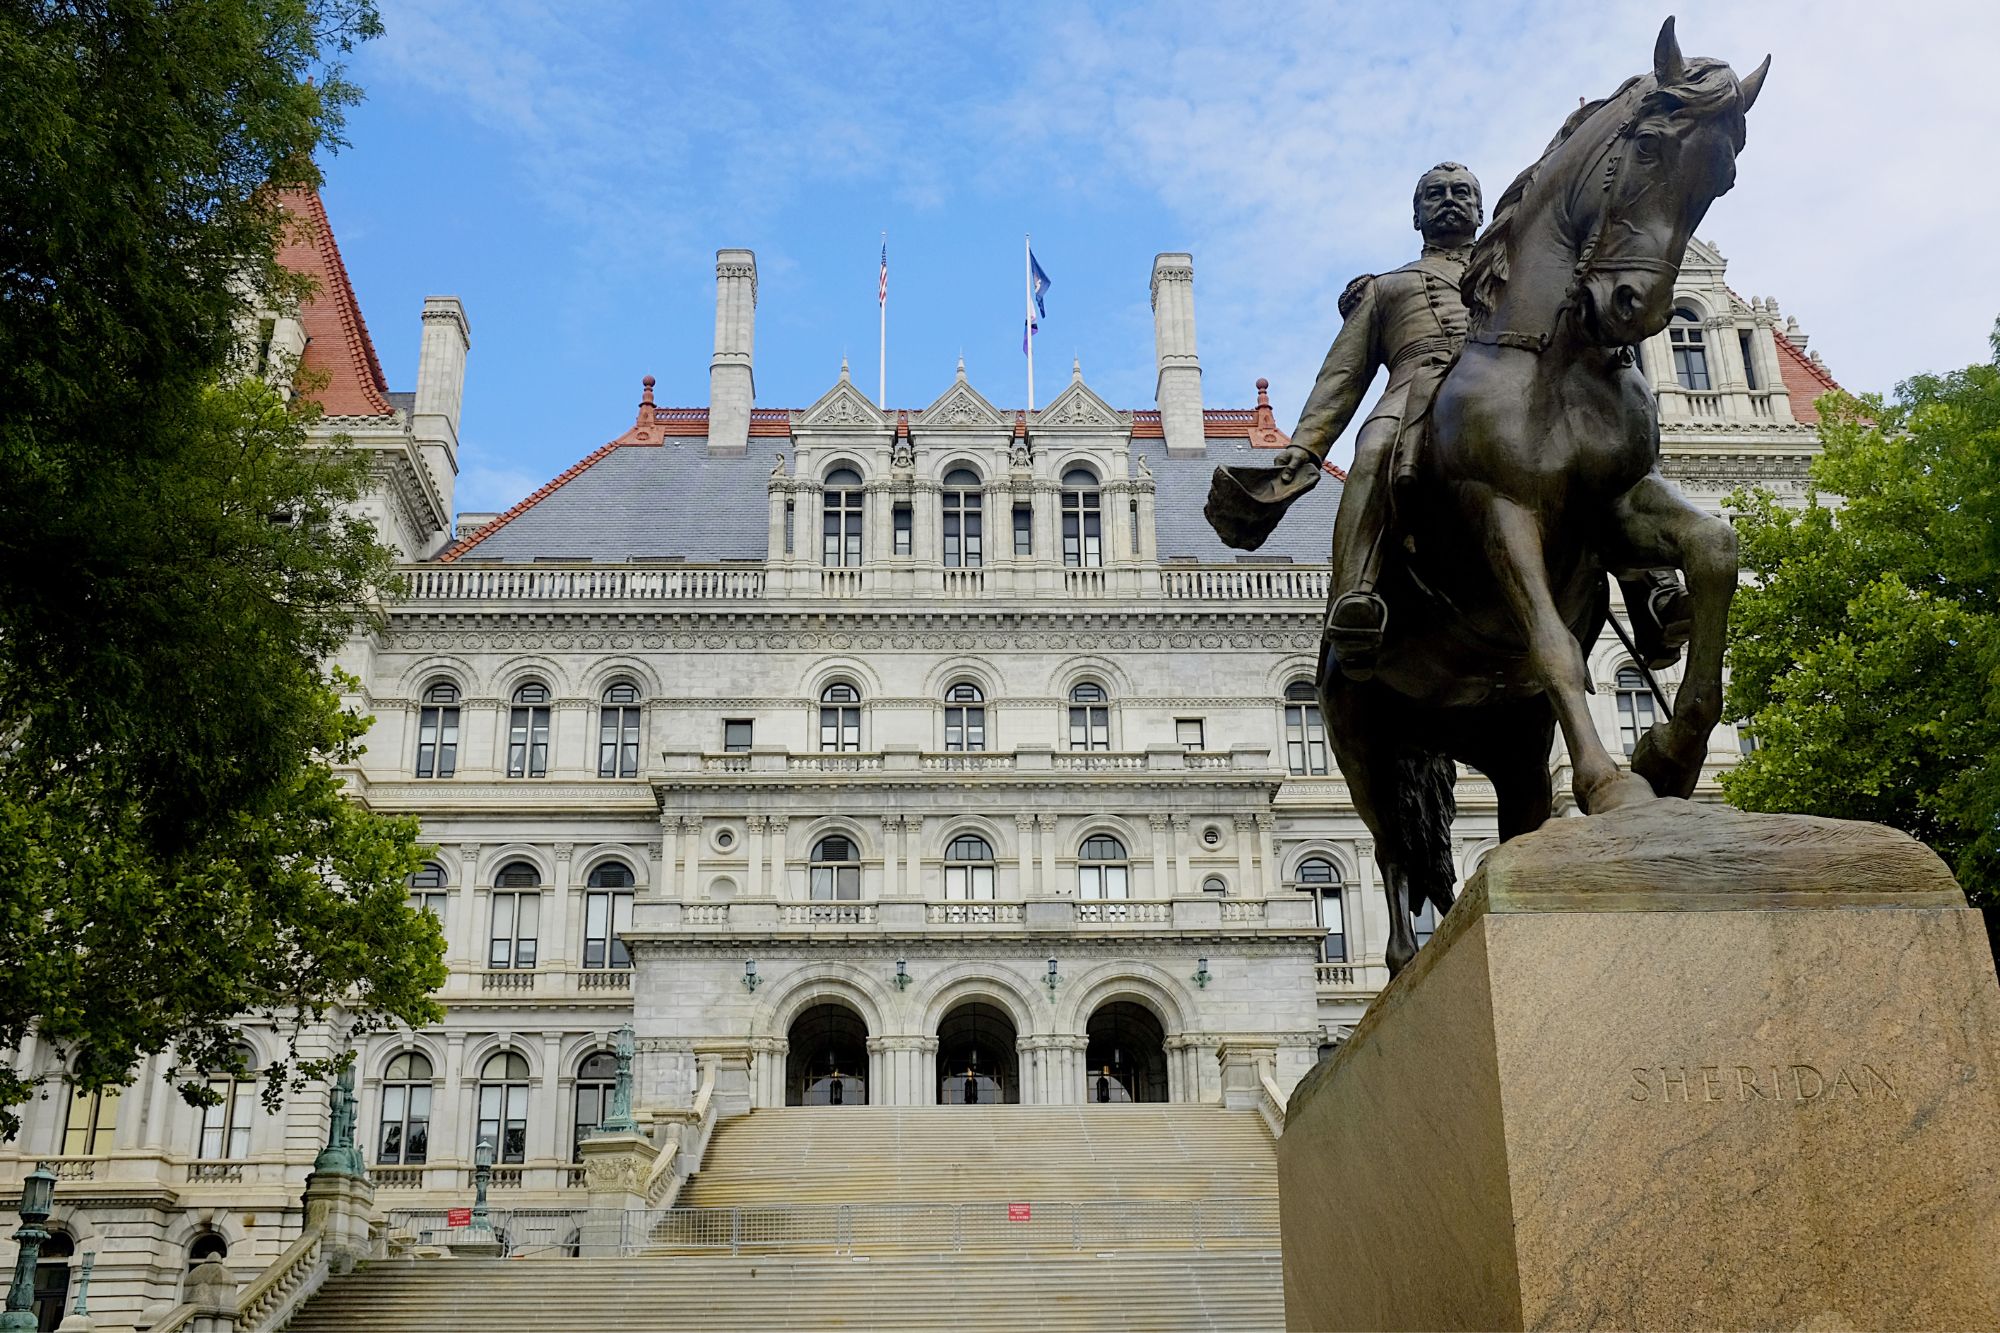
(595, 1078)
(92, 1122)
(517, 916)
(528, 733)
(1684, 336)
(52, 1280)
(1089, 717)
(968, 878)
(207, 1246)
(836, 870)
(1103, 879)
(406, 1111)
(427, 889)
(1321, 879)
(1082, 519)
(840, 717)
(618, 732)
(964, 717)
(840, 540)
(225, 1121)
(437, 731)
(503, 1106)
(963, 525)
(1635, 707)
(1305, 731)
(607, 914)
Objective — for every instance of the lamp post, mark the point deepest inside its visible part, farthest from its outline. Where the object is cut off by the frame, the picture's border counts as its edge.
(1054, 978)
(1201, 972)
(38, 1193)
(482, 1174)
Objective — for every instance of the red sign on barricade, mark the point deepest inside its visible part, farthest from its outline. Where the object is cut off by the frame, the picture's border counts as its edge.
(1017, 1212)
(458, 1217)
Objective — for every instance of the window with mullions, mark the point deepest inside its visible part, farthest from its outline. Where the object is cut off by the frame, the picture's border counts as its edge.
(427, 889)
(836, 870)
(618, 732)
(1089, 717)
(964, 717)
(595, 1078)
(1103, 874)
(840, 717)
(503, 1106)
(405, 1138)
(964, 526)
(607, 913)
(1684, 337)
(902, 526)
(840, 522)
(1305, 732)
(1635, 707)
(528, 733)
(437, 732)
(1082, 519)
(516, 917)
(968, 878)
(92, 1122)
(1024, 532)
(225, 1121)
(1320, 878)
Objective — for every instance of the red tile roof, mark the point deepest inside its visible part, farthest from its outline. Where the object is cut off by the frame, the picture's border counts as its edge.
(1804, 380)
(337, 343)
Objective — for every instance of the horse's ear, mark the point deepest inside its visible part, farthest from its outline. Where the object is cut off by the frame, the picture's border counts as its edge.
(1668, 67)
(1755, 84)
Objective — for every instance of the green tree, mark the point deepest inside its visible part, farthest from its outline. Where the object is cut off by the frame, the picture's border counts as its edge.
(1866, 646)
(175, 567)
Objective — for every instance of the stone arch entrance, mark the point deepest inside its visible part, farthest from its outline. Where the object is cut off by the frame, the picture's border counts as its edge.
(1125, 1054)
(826, 1061)
(977, 1064)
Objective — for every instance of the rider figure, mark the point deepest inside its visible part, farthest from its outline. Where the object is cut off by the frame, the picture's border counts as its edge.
(1412, 321)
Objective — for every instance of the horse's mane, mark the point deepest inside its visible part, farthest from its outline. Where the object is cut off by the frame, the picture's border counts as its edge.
(1707, 88)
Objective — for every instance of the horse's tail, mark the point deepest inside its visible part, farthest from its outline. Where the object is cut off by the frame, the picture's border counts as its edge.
(1425, 808)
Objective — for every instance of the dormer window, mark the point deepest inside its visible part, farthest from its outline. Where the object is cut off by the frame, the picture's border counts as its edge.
(1684, 336)
(964, 528)
(1082, 519)
(840, 528)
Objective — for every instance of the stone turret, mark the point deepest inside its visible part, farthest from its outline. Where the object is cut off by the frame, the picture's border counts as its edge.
(1178, 389)
(731, 388)
(441, 390)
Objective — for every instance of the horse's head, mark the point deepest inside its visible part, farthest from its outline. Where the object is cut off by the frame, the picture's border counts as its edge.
(1673, 153)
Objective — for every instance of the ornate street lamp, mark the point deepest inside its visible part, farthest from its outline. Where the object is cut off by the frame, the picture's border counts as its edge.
(38, 1193)
(482, 1175)
(750, 977)
(1055, 977)
(1201, 972)
(902, 973)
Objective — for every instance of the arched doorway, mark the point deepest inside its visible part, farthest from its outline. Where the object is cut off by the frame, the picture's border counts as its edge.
(52, 1280)
(827, 1063)
(976, 1060)
(1125, 1055)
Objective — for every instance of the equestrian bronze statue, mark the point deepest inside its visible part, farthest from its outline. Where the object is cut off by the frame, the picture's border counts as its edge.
(1530, 475)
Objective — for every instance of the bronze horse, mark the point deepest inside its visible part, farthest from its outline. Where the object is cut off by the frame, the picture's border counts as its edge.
(1540, 475)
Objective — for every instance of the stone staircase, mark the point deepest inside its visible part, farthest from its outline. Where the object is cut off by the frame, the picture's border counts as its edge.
(1057, 1218)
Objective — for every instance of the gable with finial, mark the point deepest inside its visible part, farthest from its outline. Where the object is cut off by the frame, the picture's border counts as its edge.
(1077, 408)
(961, 407)
(844, 407)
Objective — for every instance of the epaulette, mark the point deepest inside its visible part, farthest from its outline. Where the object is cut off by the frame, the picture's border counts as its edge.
(1351, 295)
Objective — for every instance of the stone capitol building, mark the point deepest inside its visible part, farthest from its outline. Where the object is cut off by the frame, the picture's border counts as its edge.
(923, 757)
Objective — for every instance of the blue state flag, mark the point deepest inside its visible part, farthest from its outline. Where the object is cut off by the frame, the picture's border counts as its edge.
(1038, 283)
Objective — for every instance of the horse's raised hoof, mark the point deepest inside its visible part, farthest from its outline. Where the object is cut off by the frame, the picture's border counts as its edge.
(1614, 793)
(1669, 759)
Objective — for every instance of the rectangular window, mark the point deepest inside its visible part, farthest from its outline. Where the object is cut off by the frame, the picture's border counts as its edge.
(963, 537)
(836, 883)
(93, 1117)
(528, 743)
(1334, 921)
(618, 742)
(428, 901)
(1749, 362)
(1135, 528)
(1090, 728)
(736, 735)
(791, 524)
(406, 1124)
(503, 1120)
(965, 728)
(605, 917)
(1024, 532)
(839, 728)
(1188, 733)
(1305, 741)
(902, 525)
(516, 923)
(437, 742)
(225, 1125)
(1100, 882)
(1083, 530)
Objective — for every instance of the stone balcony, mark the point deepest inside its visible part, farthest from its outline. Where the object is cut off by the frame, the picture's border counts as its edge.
(780, 764)
(1204, 914)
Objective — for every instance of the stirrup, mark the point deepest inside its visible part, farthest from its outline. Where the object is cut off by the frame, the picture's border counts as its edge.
(1355, 625)
(1666, 629)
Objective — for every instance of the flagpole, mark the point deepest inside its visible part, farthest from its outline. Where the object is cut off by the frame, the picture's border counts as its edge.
(882, 358)
(1028, 281)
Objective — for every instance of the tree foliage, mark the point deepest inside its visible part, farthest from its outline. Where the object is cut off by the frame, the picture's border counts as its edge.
(1866, 647)
(175, 567)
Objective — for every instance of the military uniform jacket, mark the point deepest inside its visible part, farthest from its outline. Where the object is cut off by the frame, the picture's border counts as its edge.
(1412, 321)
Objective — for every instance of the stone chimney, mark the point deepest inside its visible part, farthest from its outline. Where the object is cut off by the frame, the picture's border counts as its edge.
(1178, 390)
(441, 390)
(731, 390)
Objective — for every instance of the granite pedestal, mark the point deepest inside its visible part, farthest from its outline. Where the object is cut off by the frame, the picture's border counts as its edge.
(1671, 1067)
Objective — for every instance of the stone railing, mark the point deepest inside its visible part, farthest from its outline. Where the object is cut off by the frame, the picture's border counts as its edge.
(1095, 762)
(581, 582)
(1244, 583)
(272, 1297)
(775, 762)
(826, 914)
(972, 914)
(215, 1172)
(834, 763)
(72, 1168)
(1126, 911)
(397, 1177)
(1194, 911)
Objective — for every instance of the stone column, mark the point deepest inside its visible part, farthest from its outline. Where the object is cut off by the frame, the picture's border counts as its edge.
(1246, 871)
(913, 848)
(778, 826)
(671, 886)
(465, 944)
(553, 946)
(554, 1080)
(1267, 853)
(1051, 887)
(753, 851)
(692, 889)
(1149, 539)
(1183, 876)
(1024, 853)
(1359, 906)
(1160, 822)
(892, 831)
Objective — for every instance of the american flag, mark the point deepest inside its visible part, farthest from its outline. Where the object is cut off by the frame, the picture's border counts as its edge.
(882, 289)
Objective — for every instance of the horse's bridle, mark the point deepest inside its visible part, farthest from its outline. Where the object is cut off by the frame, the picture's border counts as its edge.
(1586, 255)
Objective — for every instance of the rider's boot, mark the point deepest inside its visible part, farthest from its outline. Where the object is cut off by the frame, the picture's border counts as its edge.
(1354, 625)
(1662, 616)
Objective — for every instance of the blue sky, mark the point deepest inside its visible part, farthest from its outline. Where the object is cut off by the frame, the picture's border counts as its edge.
(569, 171)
